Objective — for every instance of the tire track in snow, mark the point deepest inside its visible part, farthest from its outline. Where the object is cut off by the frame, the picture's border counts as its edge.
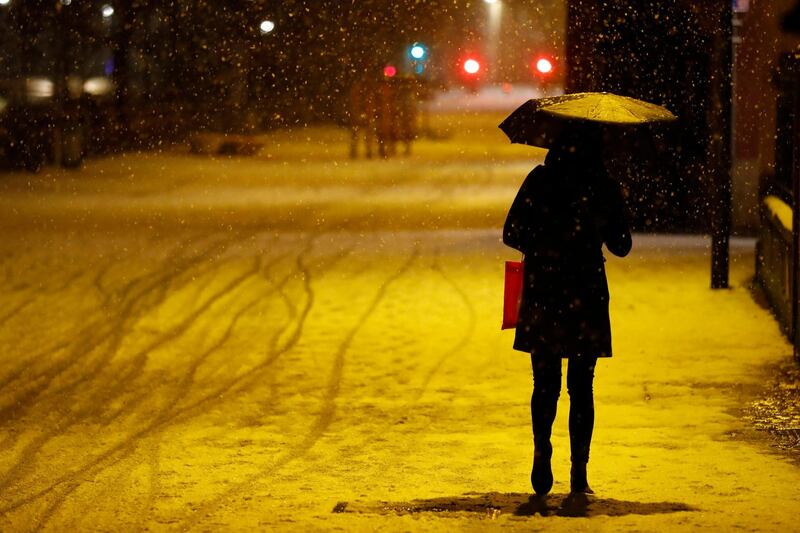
(97, 332)
(126, 380)
(276, 349)
(139, 361)
(466, 336)
(122, 450)
(14, 311)
(43, 378)
(334, 381)
(30, 299)
(30, 450)
(71, 479)
(108, 459)
(187, 380)
(100, 399)
(327, 412)
(87, 329)
(25, 364)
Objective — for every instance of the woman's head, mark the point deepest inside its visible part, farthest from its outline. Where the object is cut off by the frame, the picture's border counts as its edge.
(577, 147)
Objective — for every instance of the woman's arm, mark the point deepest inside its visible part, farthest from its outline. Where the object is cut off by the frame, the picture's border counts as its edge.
(616, 232)
(517, 228)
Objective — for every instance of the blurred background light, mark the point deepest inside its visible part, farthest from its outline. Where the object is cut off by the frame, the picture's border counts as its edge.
(37, 88)
(97, 86)
(544, 65)
(266, 26)
(471, 66)
(108, 11)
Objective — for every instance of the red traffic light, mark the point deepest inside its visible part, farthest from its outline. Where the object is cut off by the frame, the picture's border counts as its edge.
(389, 71)
(471, 66)
(543, 66)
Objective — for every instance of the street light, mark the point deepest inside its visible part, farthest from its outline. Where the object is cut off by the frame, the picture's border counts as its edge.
(4, 2)
(492, 36)
(108, 11)
(266, 26)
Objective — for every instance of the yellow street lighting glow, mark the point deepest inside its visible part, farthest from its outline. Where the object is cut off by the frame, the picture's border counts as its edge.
(97, 86)
(39, 87)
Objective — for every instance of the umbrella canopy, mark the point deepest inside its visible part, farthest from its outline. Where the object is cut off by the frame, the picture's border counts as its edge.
(541, 121)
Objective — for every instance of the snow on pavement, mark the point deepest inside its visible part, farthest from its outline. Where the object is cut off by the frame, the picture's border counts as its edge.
(219, 372)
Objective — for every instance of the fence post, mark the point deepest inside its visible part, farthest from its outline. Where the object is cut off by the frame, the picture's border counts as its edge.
(794, 77)
(719, 147)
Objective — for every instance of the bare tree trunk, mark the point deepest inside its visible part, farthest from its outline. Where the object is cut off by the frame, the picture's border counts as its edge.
(121, 45)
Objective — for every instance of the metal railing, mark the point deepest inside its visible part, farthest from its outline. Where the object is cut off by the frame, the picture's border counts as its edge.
(778, 249)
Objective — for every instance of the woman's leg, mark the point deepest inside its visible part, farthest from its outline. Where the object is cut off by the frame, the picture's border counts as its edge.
(580, 377)
(544, 400)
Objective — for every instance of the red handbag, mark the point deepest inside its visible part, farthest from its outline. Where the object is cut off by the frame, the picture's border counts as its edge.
(512, 295)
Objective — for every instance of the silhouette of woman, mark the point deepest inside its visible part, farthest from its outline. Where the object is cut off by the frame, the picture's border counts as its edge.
(564, 212)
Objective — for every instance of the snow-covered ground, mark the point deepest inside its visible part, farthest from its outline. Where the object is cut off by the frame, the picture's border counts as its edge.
(253, 344)
(503, 97)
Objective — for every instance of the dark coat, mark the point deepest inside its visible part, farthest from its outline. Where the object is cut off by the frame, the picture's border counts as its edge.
(563, 214)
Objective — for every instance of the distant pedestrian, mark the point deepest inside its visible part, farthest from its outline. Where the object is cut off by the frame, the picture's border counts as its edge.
(386, 120)
(362, 114)
(406, 114)
(562, 215)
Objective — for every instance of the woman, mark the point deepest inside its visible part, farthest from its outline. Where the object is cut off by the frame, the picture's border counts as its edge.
(562, 215)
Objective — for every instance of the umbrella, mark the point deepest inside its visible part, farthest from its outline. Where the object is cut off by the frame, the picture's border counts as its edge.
(541, 121)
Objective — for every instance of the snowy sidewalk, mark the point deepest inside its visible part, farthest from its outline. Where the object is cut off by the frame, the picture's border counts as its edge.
(302, 342)
(360, 381)
(668, 452)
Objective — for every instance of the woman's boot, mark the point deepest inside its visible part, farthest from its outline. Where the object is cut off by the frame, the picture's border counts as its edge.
(577, 479)
(542, 473)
